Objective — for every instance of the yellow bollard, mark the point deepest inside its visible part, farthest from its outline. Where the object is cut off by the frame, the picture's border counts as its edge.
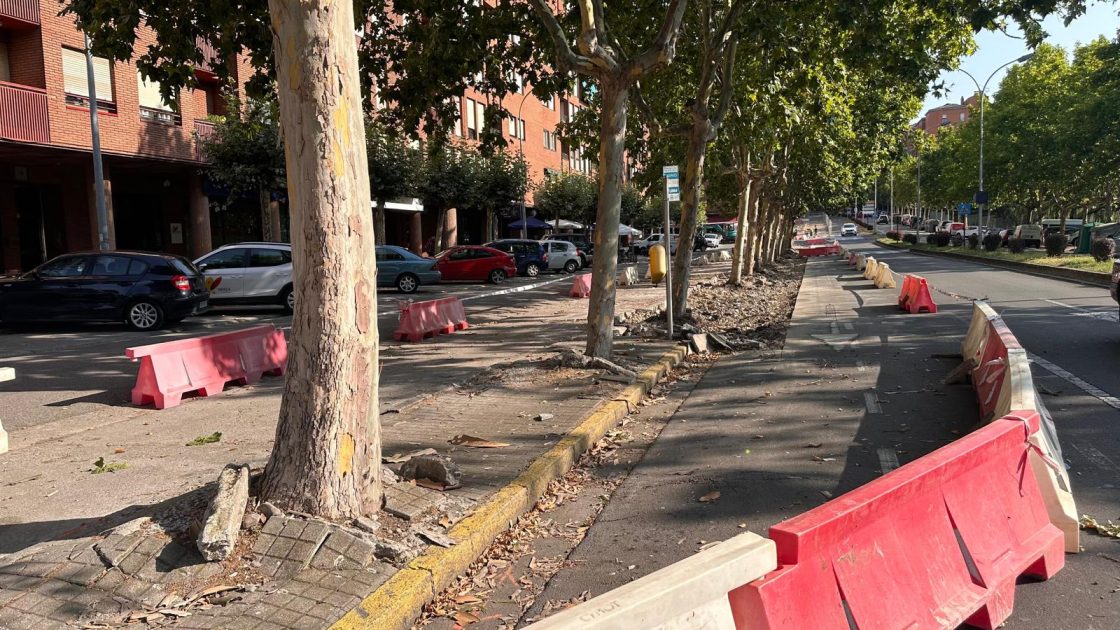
(658, 263)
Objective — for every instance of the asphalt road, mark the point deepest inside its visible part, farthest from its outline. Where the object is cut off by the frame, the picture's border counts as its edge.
(67, 369)
(776, 436)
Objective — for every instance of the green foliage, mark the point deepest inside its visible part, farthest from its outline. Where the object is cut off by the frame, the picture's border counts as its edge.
(910, 238)
(245, 151)
(973, 241)
(632, 204)
(206, 439)
(446, 181)
(940, 239)
(568, 196)
(992, 242)
(395, 165)
(100, 466)
(1102, 249)
(497, 181)
(1016, 245)
(1056, 244)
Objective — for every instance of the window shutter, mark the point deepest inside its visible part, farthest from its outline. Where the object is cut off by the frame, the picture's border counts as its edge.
(74, 75)
(148, 92)
(480, 114)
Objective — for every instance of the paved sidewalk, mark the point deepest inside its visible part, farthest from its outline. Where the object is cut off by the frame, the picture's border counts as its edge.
(855, 392)
(115, 547)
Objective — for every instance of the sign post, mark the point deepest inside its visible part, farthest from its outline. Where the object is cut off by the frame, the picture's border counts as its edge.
(672, 193)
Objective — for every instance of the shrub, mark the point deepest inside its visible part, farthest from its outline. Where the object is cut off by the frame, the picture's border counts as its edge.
(894, 235)
(1016, 245)
(992, 242)
(941, 239)
(1056, 244)
(957, 240)
(973, 241)
(912, 239)
(1102, 249)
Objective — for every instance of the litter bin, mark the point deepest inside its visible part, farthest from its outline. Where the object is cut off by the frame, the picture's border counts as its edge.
(1085, 239)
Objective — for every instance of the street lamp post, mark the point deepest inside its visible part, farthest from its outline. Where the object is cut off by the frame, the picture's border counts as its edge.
(983, 90)
(521, 151)
(95, 143)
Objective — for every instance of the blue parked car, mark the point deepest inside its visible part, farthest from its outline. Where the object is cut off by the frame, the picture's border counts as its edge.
(400, 268)
(531, 256)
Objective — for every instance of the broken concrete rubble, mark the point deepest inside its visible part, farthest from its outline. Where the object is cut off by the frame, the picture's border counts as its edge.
(224, 514)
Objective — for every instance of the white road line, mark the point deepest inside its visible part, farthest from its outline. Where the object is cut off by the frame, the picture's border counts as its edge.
(888, 459)
(1098, 459)
(871, 401)
(526, 287)
(1088, 388)
(1110, 316)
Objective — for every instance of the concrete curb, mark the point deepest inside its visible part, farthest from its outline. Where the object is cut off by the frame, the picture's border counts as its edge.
(1092, 278)
(397, 603)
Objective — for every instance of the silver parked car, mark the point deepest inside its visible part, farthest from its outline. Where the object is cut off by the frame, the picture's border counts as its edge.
(563, 255)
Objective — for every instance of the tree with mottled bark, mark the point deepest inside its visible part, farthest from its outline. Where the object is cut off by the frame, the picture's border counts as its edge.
(326, 459)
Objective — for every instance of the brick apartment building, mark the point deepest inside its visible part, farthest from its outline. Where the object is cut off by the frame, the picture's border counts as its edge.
(158, 198)
(948, 115)
(529, 130)
(151, 155)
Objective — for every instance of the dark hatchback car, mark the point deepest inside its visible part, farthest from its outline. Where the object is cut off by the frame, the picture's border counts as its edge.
(143, 290)
(531, 256)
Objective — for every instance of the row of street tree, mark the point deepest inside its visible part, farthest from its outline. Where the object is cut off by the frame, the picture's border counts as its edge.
(1051, 143)
(794, 102)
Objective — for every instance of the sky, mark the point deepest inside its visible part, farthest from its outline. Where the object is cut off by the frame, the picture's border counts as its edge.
(994, 49)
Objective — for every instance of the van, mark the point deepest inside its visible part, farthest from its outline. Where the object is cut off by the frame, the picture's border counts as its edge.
(1031, 235)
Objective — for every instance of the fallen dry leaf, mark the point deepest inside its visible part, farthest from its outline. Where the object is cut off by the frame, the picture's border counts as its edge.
(467, 599)
(476, 442)
(465, 618)
(710, 497)
(118, 451)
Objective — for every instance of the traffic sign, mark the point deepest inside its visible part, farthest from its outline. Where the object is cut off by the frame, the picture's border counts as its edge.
(672, 189)
(981, 196)
(964, 209)
(668, 171)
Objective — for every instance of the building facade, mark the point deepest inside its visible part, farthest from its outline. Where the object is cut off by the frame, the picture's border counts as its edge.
(157, 196)
(152, 161)
(948, 115)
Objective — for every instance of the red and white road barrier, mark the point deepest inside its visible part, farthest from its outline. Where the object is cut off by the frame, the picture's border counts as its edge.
(1001, 377)
(419, 320)
(205, 364)
(581, 286)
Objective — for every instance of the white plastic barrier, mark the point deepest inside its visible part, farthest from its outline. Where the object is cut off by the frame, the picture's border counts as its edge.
(628, 276)
(690, 594)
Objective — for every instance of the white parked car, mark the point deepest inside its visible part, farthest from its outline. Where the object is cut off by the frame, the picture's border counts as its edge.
(849, 229)
(563, 256)
(655, 239)
(967, 231)
(249, 273)
(712, 239)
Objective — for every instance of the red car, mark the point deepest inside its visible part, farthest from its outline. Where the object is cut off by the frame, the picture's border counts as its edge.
(474, 262)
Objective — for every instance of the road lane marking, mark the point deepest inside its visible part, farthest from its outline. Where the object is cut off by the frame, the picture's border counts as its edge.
(888, 459)
(871, 401)
(1097, 458)
(524, 287)
(1109, 316)
(1088, 388)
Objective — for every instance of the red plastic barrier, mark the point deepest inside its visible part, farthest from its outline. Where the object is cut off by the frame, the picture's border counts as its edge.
(915, 297)
(419, 320)
(852, 258)
(581, 286)
(934, 544)
(819, 250)
(205, 364)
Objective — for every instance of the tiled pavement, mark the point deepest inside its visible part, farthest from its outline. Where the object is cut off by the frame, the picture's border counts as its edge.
(313, 572)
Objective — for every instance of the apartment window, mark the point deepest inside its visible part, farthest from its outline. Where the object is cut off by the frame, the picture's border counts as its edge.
(963, 116)
(152, 106)
(516, 127)
(4, 76)
(458, 124)
(77, 87)
(472, 123)
(944, 120)
(549, 140)
(480, 116)
(550, 103)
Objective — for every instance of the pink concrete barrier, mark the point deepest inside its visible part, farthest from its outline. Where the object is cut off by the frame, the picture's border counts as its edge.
(419, 320)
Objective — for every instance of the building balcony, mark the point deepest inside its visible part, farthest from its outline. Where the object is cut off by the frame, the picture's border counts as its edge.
(202, 129)
(17, 13)
(23, 114)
